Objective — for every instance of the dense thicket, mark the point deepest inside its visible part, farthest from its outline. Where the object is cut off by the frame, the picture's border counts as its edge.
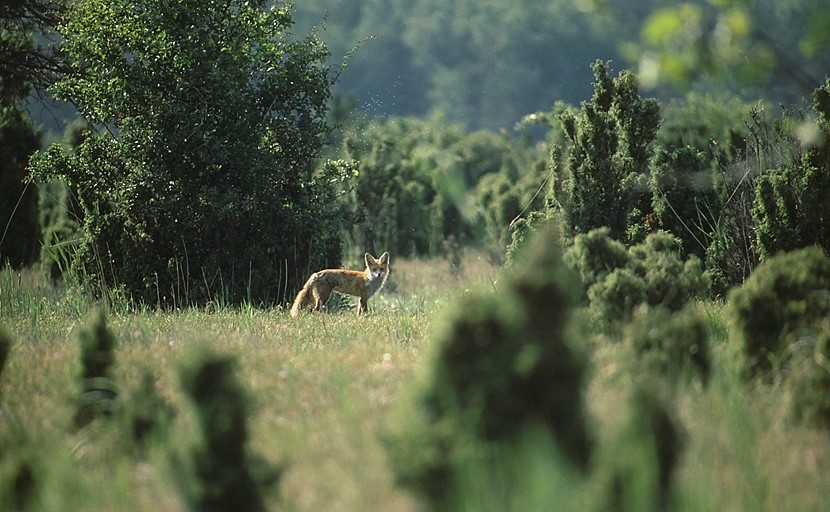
(19, 222)
(791, 208)
(424, 187)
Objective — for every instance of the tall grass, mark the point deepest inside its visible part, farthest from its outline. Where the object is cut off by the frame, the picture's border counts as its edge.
(324, 389)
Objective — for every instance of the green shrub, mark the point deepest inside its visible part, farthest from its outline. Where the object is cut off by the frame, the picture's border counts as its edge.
(808, 378)
(714, 125)
(652, 273)
(683, 197)
(60, 214)
(224, 478)
(504, 364)
(145, 414)
(786, 294)
(422, 182)
(674, 345)
(608, 155)
(594, 255)
(638, 467)
(98, 391)
(791, 210)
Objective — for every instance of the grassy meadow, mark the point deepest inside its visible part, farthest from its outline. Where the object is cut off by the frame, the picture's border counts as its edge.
(324, 390)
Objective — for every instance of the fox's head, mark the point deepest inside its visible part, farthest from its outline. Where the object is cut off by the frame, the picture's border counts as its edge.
(377, 267)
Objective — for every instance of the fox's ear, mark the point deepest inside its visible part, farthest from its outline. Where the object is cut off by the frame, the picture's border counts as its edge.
(370, 260)
(384, 258)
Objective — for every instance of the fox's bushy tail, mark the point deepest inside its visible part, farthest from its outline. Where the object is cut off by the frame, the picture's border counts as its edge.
(303, 297)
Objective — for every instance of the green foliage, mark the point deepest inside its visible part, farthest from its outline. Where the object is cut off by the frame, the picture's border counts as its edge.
(726, 43)
(790, 209)
(422, 183)
(638, 471)
(144, 413)
(786, 294)
(594, 255)
(198, 183)
(672, 344)
(60, 214)
(809, 379)
(19, 225)
(684, 197)
(224, 478)
(504, 364)
(18, 484)
(26, 60)
(652, 273)
(710, 123)
(609, 150)
(98, 391)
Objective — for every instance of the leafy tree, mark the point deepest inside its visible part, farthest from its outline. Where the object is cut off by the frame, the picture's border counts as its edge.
(198, 183)
(734, 43)
(60, 214)
(25, 62)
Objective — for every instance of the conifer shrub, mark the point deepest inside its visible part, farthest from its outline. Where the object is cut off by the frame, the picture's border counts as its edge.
(98, 391)
(673, 345)
(19, 480)
(791, 210)
(638, 468)
(683, 196)
(652, 272)
(224, 475)
(782, 299)
(809, 380)
(608, 157)
(144, 413)
(503, 364)
(594, 255)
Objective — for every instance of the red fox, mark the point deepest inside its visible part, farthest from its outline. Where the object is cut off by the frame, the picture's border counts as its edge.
(362, 284)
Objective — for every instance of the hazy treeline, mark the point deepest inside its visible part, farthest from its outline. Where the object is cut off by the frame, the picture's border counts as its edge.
(487, 64)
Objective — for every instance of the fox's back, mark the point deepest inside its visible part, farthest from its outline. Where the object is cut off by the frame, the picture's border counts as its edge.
(350, 282)
(353, 282)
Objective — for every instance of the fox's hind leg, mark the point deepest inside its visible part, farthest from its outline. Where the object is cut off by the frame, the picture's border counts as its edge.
(321, 296)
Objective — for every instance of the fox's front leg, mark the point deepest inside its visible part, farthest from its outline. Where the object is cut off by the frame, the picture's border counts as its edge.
(363, 304)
